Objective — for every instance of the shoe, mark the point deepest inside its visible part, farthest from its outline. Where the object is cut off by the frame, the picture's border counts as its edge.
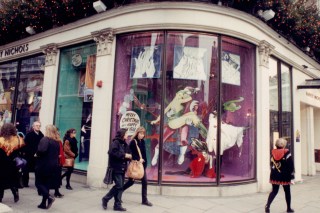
(267, 209)
(69, 187)
(119, 208)
(16, 196)
(147, 203)
(104, 204)
(50, 201)
(58, 195)
(290, 210)
(42, 206)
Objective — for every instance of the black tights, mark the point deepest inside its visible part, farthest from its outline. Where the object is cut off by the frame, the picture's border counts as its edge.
(273, 194)
(67, 174)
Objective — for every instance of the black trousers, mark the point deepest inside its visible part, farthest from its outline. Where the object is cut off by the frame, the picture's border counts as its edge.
(14, 191)
(67, 174)
(274, 192)
(43, 185)
(144, 184)
(116, 191)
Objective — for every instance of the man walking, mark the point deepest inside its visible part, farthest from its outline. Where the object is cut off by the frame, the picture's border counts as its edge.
(32, 140)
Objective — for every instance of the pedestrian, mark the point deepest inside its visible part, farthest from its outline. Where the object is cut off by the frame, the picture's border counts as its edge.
(118, 157)
(138, 141)
(70, 148)
(10, 146)
(47, 165)
(56, 187)
(32, 140)
(282, 173)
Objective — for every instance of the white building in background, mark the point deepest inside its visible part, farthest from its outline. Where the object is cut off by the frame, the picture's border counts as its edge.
(90, 83)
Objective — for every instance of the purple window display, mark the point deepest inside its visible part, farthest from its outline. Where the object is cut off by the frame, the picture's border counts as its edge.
(188, 87)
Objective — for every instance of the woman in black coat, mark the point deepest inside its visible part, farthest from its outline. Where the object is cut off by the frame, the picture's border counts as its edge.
(47, 165)
(138, 140)
(282, 173)
(10, 146)
(118, 157)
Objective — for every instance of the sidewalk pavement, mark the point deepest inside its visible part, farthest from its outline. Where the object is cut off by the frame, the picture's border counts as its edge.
(305, 199)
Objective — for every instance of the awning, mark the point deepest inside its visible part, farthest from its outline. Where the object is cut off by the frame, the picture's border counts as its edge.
(310, 84)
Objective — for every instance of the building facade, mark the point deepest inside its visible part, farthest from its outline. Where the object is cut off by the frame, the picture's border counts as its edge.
(214, 87)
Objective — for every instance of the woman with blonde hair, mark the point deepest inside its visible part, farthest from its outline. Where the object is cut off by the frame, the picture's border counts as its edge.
(47, 165)
(137, 141)
(282, 173)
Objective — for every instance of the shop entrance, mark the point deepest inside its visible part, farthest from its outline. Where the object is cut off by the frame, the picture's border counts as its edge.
(310, 138)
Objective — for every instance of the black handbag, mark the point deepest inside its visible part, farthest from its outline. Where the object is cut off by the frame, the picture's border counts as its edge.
(108, 177)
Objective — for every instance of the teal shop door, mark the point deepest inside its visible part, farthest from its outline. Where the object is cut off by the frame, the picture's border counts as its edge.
(75, 97)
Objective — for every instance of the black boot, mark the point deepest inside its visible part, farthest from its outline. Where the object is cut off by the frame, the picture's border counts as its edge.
(43, 205)
(267, 208)
(69, 187)
(104, 203)
(15, 195)
(290, 210)
(119, 208)
(50, 201)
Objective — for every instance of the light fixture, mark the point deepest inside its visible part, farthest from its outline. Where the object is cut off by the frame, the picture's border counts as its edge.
(30, 30)
(310, 68)
(307, 49)
(266, 15)
(99, 6)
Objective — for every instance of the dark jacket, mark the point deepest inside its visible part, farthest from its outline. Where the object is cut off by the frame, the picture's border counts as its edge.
(118, 149)
(135, 153)
(9, 149)
(32, 141)
(282, 167)
(48, 156)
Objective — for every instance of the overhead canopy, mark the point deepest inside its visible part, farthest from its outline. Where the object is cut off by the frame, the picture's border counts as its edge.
(310, 84)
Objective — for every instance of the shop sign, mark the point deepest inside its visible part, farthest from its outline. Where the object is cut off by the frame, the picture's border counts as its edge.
(14, 50)
(316, 97)
(130, 120)
(76, 60)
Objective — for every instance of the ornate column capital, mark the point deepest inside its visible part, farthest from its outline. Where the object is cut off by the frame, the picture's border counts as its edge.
(104, 39)
(265, 49)
(51, 52)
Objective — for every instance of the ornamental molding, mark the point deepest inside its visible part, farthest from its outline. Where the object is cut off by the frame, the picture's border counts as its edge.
(104, 39)
(51, 52)
(265, 49)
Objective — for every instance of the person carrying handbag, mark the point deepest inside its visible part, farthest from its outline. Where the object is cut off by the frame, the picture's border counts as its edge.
(118, 156)
(70, 147)
(138, 151)
(10, 146)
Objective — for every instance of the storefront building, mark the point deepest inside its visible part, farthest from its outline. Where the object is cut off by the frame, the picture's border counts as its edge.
(214, 87)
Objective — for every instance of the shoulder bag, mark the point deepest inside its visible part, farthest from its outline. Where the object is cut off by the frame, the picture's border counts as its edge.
(135, 169)
(19, 160)
(108, 177)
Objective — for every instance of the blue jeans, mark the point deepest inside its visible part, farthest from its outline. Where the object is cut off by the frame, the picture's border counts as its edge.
(116, 190)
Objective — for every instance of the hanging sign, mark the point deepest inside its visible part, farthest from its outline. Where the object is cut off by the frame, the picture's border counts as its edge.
(130, 120)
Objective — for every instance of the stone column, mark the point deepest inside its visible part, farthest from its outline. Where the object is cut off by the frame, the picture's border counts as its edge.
(49, 84)
(311, 166)
(102, 107)
(263, 122)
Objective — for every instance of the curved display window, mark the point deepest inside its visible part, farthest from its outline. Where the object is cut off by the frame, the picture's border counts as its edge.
(199, 121)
